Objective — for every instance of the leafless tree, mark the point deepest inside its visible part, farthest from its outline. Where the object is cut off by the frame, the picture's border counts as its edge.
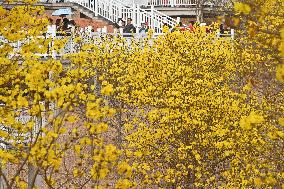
(214, 6)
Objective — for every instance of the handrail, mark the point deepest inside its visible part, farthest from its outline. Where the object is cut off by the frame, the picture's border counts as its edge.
(172, 22)
(172, 3)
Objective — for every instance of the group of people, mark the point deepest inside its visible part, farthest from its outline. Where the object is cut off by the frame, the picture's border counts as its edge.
(68, 27)
(128, 28)
(224, 30)
(65, 25)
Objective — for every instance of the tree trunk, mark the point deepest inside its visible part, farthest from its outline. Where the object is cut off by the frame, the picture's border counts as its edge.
(34, 179)
(2, 183)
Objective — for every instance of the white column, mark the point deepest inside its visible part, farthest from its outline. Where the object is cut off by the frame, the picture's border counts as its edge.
(92, 7)
(152, 18)
(178, 19)
(120, 12)
(111, 12)
(134, 20)
(232, 33)
(104, 29)
(96, 8)
(138, 19)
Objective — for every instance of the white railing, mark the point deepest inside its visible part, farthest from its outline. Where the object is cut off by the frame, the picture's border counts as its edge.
(115, 9)
(51, 1)
(172, 3)
(156, 3)
(89, 37)
(162, 19)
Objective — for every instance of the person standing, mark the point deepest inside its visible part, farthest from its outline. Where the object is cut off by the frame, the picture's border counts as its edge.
(120, 25)
(58, 24)
(222, 30)
(72, 26)
(129, 28)
(51, 29)
(143, 29)
(191, 26)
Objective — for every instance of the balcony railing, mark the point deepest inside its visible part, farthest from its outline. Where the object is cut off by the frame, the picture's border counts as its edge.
(172, 3)
(156, 3)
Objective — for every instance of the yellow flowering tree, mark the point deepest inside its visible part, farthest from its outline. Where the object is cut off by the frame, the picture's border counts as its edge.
(188, 117)
(53, 126)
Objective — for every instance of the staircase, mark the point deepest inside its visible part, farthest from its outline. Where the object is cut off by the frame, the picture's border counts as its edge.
(113, 10)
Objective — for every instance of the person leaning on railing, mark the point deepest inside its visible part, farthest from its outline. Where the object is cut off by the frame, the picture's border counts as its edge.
(72, 26)
(58, 24)
(65, 27)
(129, 28)
(178, 27)
(143, 29)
